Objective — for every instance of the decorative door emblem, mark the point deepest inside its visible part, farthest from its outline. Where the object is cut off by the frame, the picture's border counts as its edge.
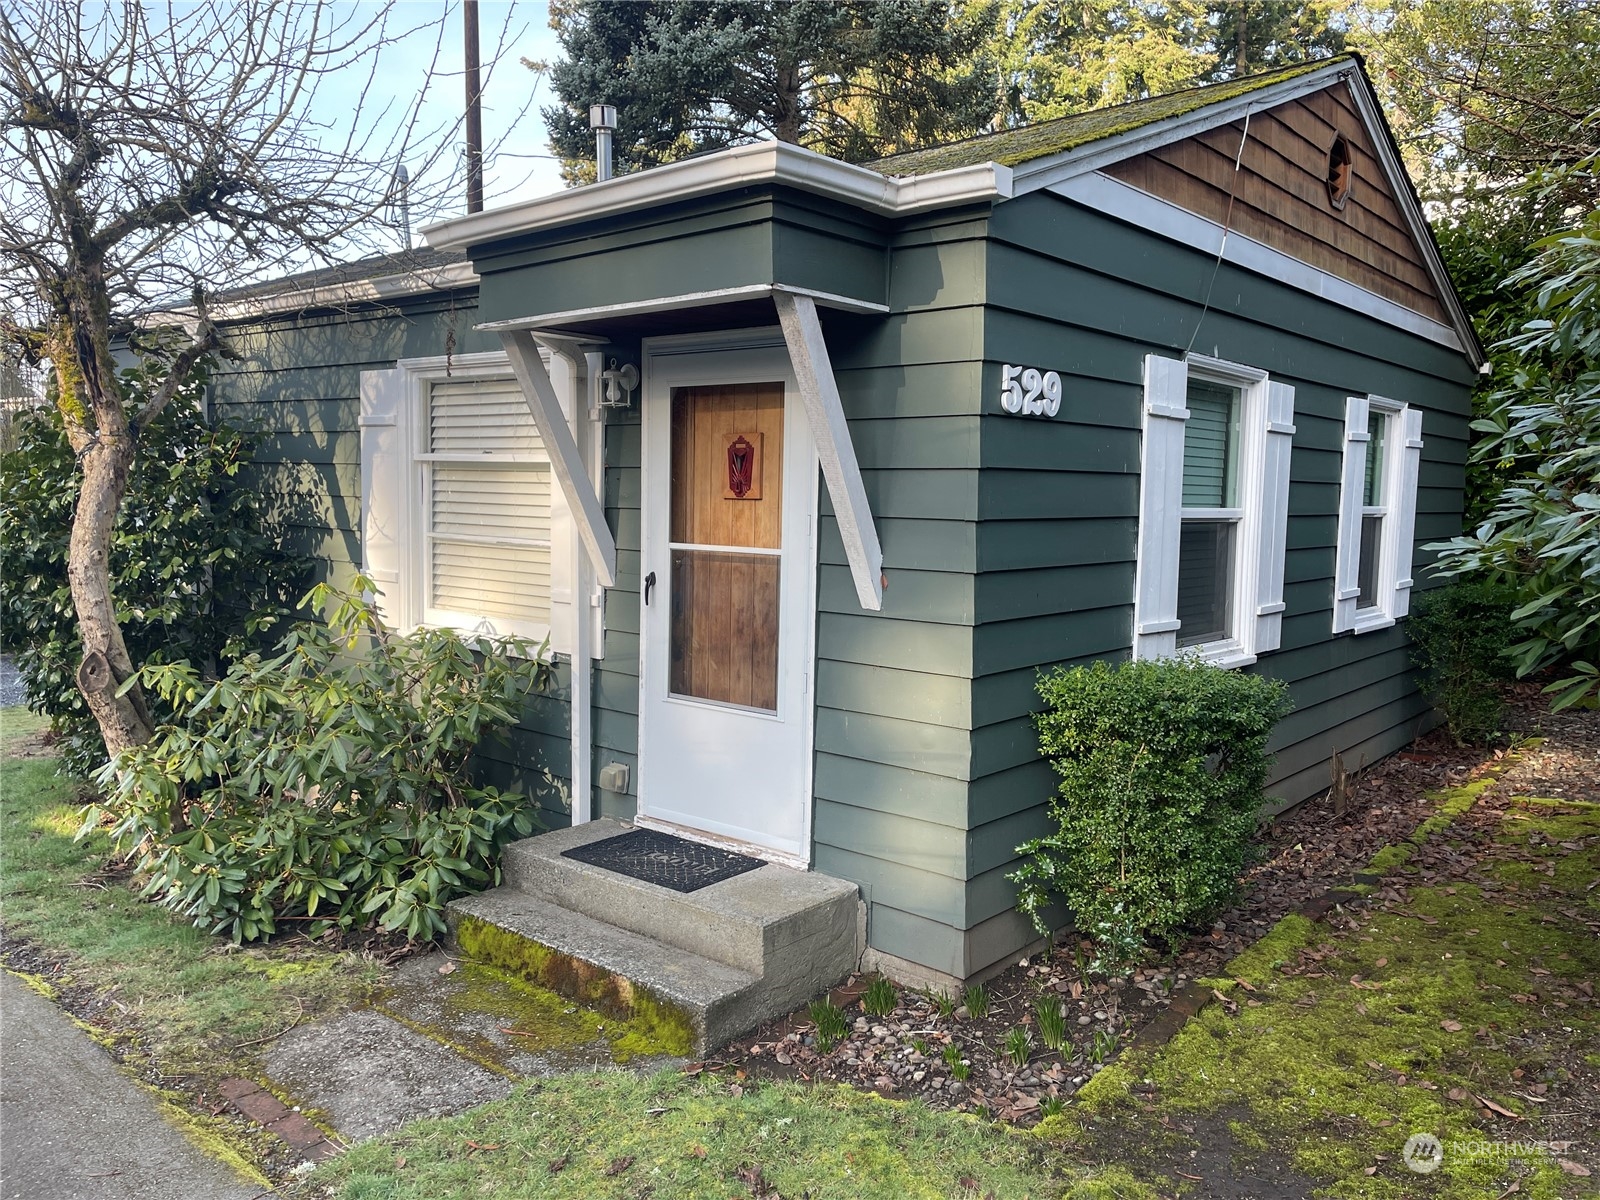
(744, 466)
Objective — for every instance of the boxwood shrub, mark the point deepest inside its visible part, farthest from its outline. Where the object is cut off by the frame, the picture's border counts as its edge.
(1162, 766)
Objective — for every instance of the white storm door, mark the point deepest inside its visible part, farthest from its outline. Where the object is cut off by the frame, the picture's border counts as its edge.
(728, 586)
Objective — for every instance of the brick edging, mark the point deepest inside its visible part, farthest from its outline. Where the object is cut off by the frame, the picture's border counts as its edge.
(255, 1103)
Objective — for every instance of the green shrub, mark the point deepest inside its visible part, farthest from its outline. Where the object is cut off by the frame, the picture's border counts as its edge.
(1459, 638)
(192, 569)
(1162, 766)
(1541, 536)
(328, 783)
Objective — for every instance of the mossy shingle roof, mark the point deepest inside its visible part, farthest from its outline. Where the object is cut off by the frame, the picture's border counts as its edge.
(1009, 147)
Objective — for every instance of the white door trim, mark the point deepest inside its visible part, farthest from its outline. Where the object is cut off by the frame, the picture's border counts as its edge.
(731, 356)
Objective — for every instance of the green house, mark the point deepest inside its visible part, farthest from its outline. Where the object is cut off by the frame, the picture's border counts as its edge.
(808, 468)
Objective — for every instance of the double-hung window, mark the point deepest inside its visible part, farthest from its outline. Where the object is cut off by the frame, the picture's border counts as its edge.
(1213, 510)
(1377, 513)
(461, 527)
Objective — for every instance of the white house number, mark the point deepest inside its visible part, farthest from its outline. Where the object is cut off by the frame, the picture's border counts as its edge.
(1029, 391)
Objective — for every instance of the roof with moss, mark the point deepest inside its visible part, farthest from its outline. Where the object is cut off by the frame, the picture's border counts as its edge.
(1010, 147)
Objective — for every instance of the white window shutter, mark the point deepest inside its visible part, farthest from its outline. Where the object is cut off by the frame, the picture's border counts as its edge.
(1347, 557)
(1155, 602)
(1405, 511)
(1278, 446)
(385, 508)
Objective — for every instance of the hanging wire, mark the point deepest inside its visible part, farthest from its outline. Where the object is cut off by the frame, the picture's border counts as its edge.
(1227, 221)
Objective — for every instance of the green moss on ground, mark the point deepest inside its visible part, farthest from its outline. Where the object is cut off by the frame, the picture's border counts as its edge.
(617, 1135)
(1402, 1026)
(640, 1023)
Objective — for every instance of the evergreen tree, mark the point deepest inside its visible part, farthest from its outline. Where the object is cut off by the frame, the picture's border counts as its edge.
(1263, 35)
(850, 79)
(1058, 57)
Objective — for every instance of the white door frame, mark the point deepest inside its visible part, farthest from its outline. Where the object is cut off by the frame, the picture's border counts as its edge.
(721, 357)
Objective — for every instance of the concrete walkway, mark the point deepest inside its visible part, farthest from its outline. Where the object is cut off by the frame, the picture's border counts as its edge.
(74, 1127)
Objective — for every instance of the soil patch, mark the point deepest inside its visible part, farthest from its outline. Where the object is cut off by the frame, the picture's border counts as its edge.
(949, 1057)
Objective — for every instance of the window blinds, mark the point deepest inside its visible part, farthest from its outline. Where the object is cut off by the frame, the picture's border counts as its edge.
(486, 494)
(1209, 441)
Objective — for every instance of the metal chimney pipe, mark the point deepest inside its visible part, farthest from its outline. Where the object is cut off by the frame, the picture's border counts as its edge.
(602, 119)
(402, 179)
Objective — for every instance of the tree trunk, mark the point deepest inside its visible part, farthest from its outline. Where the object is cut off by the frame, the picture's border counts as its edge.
(1241, 41)
(787, 127)
(97, 428)
(124, 720)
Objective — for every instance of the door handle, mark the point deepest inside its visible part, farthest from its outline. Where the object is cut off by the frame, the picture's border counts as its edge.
(649, 586)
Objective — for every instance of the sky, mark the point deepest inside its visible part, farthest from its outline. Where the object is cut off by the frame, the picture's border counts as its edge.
(517, 161)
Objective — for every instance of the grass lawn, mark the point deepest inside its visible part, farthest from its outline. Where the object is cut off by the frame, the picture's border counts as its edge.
(1461, 1005)
(677, 1138)
(191, 1001)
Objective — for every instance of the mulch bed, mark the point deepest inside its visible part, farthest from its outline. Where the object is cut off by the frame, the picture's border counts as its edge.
(1309, 850)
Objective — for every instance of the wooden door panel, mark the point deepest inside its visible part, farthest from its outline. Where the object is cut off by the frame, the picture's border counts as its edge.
(704, 421)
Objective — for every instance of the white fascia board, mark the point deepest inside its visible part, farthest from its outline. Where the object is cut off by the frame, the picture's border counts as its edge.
(1400, 184)
(1126, 202)
(361, 291)
(1055, 169)
(539, 322)
(739, 166)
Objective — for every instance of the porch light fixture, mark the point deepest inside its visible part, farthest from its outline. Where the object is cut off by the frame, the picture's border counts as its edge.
(620, 379)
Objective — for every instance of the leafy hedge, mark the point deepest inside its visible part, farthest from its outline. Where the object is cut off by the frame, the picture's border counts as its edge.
(193, 570)
(327, 783)
(1541, 537)
(1162, 766)
(1460, 635)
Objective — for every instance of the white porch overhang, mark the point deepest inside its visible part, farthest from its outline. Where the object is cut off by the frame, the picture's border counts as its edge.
(819, 397)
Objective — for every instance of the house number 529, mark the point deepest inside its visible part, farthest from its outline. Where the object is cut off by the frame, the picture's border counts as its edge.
(1029, 391)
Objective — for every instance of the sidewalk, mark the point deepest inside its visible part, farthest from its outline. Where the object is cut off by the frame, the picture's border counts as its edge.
(73, 1127)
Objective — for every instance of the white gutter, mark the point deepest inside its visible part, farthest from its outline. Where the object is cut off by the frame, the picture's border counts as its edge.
(358, 291)
(758, 163)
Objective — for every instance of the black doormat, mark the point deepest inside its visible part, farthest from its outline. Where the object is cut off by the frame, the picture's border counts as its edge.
(664, 860)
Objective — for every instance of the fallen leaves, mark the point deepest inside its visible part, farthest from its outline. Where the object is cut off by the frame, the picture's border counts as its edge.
(1572, 1168)
(1450, 1026)
(1493, 1107)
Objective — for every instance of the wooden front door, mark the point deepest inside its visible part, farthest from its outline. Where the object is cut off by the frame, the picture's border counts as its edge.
(727, 587)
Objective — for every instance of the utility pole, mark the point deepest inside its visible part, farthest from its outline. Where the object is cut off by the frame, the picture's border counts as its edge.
(469, 25)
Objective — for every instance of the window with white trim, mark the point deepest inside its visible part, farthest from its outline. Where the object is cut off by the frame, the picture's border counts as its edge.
(1213, 510)
(1377, 513)
(461, 526)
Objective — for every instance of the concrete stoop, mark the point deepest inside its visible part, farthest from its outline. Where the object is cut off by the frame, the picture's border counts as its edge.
(708, 965)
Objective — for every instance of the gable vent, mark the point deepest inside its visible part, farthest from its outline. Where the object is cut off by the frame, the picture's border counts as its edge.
(1341, 172)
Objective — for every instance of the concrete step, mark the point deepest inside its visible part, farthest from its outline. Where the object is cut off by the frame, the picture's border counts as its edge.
(780, 924)
(689, 1003)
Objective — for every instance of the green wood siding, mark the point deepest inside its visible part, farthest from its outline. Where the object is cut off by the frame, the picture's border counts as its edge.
(296, 384)
(893, 688)
(1078, 292)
